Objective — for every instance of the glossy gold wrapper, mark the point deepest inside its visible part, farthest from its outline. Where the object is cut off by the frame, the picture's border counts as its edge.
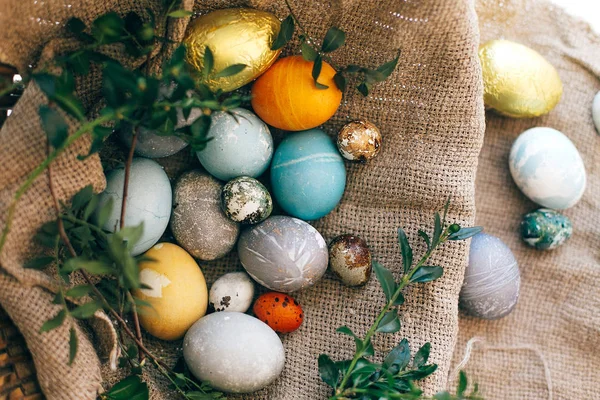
(518, 81)
(235, 36)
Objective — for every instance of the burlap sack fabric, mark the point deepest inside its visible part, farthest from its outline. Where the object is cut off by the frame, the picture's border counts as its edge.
(557, 320)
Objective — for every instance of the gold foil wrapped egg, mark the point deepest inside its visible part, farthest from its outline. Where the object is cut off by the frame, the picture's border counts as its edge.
(359, 140)
(235, 36)
(517, 81)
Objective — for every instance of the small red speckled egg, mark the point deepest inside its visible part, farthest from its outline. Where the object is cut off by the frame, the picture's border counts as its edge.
(280, 311)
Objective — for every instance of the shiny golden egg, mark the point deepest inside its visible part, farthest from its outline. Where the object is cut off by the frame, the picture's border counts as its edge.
(517, 81)
(234, 36)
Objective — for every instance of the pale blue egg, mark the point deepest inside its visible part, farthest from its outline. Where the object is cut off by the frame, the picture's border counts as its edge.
(547, 168)
(241, 145)
(308, 174)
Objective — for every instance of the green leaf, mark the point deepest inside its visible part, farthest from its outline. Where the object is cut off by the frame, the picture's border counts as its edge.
(386, 279)
(316, 69)
(334, 38)
(340, 81)
(442, 396)
(86, 310)
(422, 355)
(405, 249)
(347, 331)
(90, 208)
(426, 274)
(231, 70)
(58, 298)
(125, 389)
(364, 88)
(73, 344)
(180, 14)
(420, 373)
(54, 322)
(328, 370)
(104, 212)
(131, 234)
(389, 67)
(465, 233)
(367, 348)
(426, 239)
(38, 263)
(390, 323)
(462, 384)
(94, 267)
(374, 76)
(209, 62)
(78, 291)
(108, 28)
(54, 125)
(320, 86)
(70, 104)
(286, 31)
(363, 370)
(308, 53)
(437, 229)
(398, 358)
(75, 25)
(82, 198)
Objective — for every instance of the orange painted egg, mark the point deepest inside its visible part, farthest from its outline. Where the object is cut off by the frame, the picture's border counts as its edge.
(286, 96)
(280, 311)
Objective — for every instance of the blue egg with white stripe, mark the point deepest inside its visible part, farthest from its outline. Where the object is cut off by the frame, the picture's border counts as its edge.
(308, 174)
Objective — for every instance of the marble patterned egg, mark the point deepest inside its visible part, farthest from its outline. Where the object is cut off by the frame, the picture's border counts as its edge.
(235, 352)
(279, 310)
(198, 223)
(596, 112)
(284, 254)
(308, 174)
(148, 201)
(241, 145)
(232, 292)
(246, 200)
(545, 229)
(517, 81)
(177, 292)
(492, 280)
(547, 168)
(350, 259)
(359, 141)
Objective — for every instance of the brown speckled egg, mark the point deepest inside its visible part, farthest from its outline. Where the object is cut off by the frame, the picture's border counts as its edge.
(280, 311)
(359, 140)
(350, 259)
(197, 221)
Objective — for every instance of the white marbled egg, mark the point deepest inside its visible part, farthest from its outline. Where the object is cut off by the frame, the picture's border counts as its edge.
(547, 168)
(234, 352)
(596, 111)
(232, 292)
(148, 201)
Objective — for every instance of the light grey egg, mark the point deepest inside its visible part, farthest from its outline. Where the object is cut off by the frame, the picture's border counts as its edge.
(232, 292)
(491, 286)
(233, 351)
(284, 254)
(148, 201)
(198, 223)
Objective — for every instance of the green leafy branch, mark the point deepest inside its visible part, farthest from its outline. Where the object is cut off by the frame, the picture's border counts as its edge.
(333, 40)
(393, 379)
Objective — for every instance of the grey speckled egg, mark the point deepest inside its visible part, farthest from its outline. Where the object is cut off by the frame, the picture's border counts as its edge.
(284, 254)
(235, 352)
(197, 221)
(545, 229)
(246, 200)
(148, 201)
(232, 292)
(350, 259)
(492, 280)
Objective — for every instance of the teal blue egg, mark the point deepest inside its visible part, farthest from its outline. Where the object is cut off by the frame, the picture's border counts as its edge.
(240, 144)
(308, 174)
(545, 229)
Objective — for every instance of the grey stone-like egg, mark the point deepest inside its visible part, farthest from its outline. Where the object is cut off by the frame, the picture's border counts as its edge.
(284, 254)
(235, 352)
(232, 292)
(246, 200)
(492, 279)
(197, 222)
(350, 259)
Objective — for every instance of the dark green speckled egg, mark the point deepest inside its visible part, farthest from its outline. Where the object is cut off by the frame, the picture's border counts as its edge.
(545, 229)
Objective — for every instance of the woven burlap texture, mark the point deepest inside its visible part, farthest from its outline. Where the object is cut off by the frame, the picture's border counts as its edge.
(556, 324)
(430, 113)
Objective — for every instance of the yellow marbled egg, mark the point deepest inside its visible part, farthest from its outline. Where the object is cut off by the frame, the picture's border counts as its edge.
(235, 36)
(177, 294)
(518, 82)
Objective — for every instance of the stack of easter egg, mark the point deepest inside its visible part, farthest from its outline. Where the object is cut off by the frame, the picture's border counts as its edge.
(544, 163)
(225, 206)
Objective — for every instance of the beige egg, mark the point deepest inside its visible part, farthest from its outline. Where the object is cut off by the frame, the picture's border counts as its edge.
(177, 292)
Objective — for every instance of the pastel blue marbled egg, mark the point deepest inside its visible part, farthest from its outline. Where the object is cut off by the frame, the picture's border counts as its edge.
(547, 168)
(308, 174)
(240, 145)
